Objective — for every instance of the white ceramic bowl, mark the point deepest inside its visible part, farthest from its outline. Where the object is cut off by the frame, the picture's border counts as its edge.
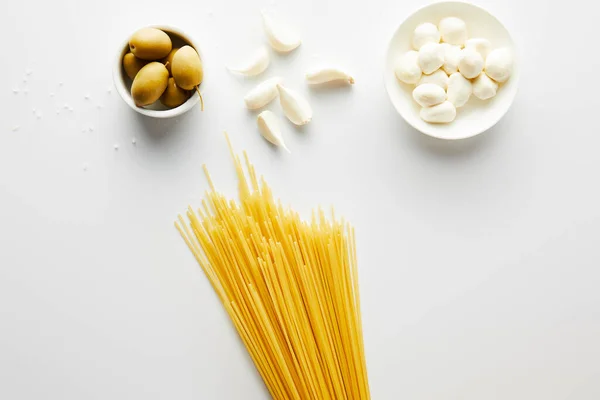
(123, 83)
(476, 116)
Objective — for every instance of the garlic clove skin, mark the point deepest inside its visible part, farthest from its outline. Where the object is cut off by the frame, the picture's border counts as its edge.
(431, 57)
(425, 33)
(459, 89)
(256, 65)
(439, 114)
(483, 87)
(429, 94)
(325, 75)
(281, 38)
(439, 78)
(407, 68)
(294, 106)
(269, 128)
(264, 93)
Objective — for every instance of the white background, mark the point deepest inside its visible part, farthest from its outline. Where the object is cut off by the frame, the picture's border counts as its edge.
(479, 260)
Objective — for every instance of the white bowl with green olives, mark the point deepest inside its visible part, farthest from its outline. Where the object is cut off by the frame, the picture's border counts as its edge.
(158, 72)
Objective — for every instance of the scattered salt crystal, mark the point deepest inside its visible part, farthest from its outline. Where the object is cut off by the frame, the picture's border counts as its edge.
(91, 129)
(66, 106)
(38, 115)
(85, 167)
(15, 91)
(51, 94)
(24, 80)
(57, 111)
(16, 128)
(60, 83)
(84, 130)
(25, 91)
(29, 71)
(109, 90)
(87, 96)
(116, 146)
(99, 106)
(33, 110)
(133, 141)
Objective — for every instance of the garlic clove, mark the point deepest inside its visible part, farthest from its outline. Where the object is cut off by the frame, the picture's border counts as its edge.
(255, 65)
(325, 75)
(269, 128)
(262, 94)
(281, 37)
(294, 106)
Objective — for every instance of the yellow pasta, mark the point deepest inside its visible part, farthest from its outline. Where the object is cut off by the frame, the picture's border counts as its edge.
(289, 286)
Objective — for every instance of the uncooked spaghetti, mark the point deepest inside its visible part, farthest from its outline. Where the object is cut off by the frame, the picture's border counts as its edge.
(289, 286)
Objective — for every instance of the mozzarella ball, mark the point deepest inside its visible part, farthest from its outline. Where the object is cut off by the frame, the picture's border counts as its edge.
(499, 64)
(471, 63)
(407, 68)
(482, 46)
(439, 114)
(453, 31)
(459, 89)
(439, 78)
(483, 87)
(425, 33)
(428, 95)
(451, 58)
(431, 57)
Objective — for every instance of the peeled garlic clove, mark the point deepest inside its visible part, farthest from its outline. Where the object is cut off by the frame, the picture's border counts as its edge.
(425, 33)
(483, 87)
(459, 89)
(407, 68)
(471, 63)
(325, 75)
(281, 37)
(499, 64)
(439, 114)
(453, 30)
(428, 95)
(268, 125)
(451, 58)
(431, 57)
(254, 66)
(439, 78)
(262, 94)
(294, 106)
(482, 46)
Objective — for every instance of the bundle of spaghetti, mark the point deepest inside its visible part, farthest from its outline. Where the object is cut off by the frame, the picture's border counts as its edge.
(289, 286)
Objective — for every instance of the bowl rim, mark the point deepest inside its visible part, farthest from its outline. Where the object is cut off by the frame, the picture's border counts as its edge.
(514, 78)
(119, 80)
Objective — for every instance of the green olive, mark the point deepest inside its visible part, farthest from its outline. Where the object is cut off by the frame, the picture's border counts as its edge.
(149, 84)
(174, 96)
(187, 68)
(132, 65)
(150, 44)
(168, 60)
